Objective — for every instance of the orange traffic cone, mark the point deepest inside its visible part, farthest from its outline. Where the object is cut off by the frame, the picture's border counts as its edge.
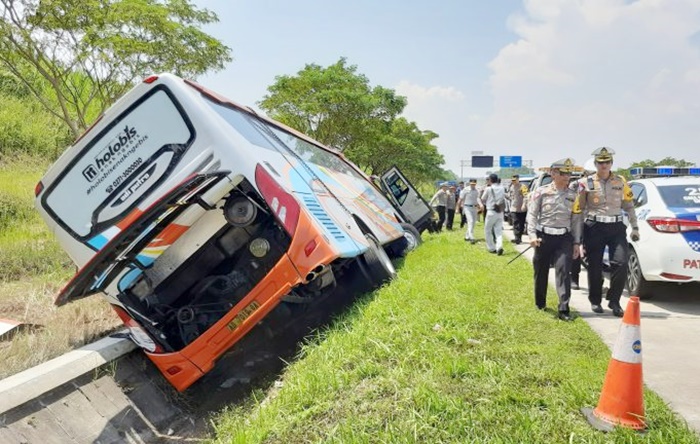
(621, 400)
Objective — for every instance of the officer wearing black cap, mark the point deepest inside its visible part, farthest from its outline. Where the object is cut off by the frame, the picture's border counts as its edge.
(553, 222)
(601, 198)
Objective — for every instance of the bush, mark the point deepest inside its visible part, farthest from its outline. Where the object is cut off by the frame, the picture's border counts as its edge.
(27, 129)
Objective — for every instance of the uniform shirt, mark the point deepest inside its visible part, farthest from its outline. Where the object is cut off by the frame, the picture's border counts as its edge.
(451, 200)
(440, 197)
(598, 197)
(492, 195)
(552, 208)
(518, 203)
(469, 197)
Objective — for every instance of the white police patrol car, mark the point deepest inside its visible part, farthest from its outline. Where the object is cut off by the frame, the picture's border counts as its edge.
(667, 203)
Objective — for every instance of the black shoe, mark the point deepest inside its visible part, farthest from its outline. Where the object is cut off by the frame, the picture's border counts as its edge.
(472, 241)
(597, 308)
(574, 286)
(617, 311)
(492, 251)
(541, 307)
(564, 316)
(500, 252)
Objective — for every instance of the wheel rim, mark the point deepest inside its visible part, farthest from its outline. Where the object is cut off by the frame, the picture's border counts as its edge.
(634, 275)
(383, 257)
(411, 239)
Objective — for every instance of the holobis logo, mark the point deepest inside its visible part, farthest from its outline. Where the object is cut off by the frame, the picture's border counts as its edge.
(104, 158)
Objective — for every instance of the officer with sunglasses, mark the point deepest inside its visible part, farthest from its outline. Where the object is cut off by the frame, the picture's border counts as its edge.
(601, 199)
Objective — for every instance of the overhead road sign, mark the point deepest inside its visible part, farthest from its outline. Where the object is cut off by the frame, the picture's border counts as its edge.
(482, 161)
(511, 161)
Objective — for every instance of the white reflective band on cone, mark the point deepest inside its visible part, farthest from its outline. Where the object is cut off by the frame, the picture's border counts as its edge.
(628, 347)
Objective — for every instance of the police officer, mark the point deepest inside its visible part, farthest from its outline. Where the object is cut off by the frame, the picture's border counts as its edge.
(469, 201)
(553, 223)
(518, 207)
(601, 198)
(451, 206)
(440, 202)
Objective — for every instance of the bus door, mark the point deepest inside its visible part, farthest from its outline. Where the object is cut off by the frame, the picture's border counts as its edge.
(406, 199)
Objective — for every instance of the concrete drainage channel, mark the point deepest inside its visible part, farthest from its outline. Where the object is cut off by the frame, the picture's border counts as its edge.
(108, 392)
(80, 397)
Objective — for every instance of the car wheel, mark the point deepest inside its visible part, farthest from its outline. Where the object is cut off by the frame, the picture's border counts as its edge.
(375, 263)
(636, 284)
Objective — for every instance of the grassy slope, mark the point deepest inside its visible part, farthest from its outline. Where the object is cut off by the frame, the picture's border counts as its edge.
(452, 351)
(33, 267)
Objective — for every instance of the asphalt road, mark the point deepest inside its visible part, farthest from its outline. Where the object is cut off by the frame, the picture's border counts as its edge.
(670, 325)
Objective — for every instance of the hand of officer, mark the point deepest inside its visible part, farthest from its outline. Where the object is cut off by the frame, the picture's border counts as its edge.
(635, 234)
(535, 242)
(577, 251)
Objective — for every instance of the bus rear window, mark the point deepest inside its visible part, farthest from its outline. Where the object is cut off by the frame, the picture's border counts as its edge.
(110, 175)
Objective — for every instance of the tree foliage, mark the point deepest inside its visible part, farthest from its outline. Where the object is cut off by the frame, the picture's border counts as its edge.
(338, 107)
(78, 56)
(666, 161)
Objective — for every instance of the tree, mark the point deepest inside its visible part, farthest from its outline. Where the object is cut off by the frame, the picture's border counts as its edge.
(78, 56)
(336, 106)
(403, 144)
(508, 172)
(666, 161)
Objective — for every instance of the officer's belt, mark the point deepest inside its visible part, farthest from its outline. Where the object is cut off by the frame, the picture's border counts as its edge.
(606, 219)
(468, 205)
(552, 230)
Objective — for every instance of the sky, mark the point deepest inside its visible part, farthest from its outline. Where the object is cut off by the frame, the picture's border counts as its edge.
(541, 79)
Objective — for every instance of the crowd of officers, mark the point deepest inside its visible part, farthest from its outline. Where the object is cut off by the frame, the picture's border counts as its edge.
(565, 220)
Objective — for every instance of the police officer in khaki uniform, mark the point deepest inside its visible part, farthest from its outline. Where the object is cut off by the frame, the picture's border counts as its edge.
(440, 201)
(553, 222)
(518, 207)
(601, 199)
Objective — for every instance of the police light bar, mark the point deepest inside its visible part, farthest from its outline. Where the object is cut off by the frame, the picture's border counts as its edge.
(663, 172)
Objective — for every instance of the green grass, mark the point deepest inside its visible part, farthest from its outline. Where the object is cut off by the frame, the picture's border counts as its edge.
(452, 351)
(27, 248)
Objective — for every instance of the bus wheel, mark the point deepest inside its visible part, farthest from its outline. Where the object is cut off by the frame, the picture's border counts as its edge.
(376, 262)
(412, 237)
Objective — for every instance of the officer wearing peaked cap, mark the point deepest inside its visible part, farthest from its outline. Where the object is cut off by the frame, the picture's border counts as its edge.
(553, 223)
(601, 199)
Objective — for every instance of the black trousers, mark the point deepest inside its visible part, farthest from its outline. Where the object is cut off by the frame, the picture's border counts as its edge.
(557, 250)
(596, 236)
(519, 224)
(575, 269)
(441, 216)
(462, 218)
(450, 218)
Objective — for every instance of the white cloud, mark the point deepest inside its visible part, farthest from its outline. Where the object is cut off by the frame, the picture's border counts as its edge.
(418, 92)
(588, 73)
(444, 110)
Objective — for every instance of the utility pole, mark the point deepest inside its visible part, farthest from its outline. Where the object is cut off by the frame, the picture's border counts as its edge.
(462, 164)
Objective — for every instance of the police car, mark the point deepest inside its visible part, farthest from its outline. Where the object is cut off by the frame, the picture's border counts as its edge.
(667, 204)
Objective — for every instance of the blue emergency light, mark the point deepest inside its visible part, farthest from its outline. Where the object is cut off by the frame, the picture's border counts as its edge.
(663, 172)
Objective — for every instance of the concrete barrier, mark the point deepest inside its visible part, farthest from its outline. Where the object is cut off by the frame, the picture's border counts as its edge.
(34, 382)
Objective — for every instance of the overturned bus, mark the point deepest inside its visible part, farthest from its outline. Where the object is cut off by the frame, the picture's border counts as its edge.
(195, 217)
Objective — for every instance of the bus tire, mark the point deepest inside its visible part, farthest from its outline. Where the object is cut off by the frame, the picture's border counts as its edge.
(376, 263)
(412, 236)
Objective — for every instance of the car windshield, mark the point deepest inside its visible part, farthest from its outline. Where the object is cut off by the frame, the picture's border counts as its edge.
(680, 196)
